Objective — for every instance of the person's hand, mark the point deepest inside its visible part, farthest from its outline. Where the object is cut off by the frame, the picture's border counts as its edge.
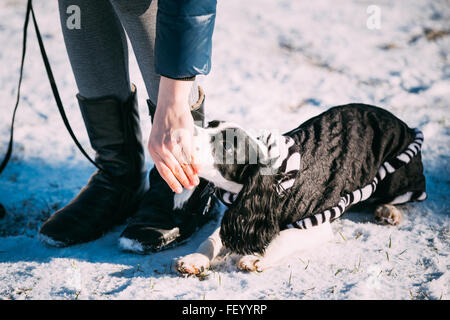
(170, 143)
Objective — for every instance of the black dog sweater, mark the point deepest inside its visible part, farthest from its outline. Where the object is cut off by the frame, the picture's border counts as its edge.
(348, 154)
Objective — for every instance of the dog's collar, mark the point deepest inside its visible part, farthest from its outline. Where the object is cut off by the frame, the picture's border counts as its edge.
(284, 164)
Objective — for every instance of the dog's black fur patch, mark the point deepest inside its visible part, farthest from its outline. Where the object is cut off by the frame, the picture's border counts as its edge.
(250, 223)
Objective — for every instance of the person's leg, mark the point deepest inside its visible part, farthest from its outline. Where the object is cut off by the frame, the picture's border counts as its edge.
(139, 20)
(98, 55)
(98, 51)
(156, 224)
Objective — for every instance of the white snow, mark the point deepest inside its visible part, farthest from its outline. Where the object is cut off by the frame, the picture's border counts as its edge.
(275, 64)
(130, 245)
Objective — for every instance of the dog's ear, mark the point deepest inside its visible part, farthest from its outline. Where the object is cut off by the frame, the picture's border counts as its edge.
(251, 222)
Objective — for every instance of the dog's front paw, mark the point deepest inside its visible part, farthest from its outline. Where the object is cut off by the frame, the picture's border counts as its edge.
(251, 263)
(194, 263)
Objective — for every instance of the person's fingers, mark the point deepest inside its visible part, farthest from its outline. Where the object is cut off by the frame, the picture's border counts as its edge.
(173, 164)
(191, 175)
(181, 150)
(194, 164)
(168, 176)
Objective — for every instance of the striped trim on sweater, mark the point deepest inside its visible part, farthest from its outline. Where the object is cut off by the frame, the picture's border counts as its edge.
(367, 191)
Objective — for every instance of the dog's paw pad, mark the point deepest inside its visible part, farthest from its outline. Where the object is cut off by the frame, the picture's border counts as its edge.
(388, 214)
(250, 263)
(195, 263)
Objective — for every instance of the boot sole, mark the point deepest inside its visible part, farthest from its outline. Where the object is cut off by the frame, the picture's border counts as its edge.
(51, 242)
(134, 246)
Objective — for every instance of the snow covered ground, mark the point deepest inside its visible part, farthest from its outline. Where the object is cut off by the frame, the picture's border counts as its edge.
(275, 64)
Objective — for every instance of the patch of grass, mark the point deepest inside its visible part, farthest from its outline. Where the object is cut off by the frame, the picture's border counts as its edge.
(306, 291)
(390, 272)
(420, 295)
(138, 268)
(389, 46)
(432, 248)
(307, 263)
(152, 287)
(432, 34)
(23, 291)
(290, 279)
(218, 275)
(357, 268)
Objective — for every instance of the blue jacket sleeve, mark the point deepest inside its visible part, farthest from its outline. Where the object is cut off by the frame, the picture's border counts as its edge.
(184, 30)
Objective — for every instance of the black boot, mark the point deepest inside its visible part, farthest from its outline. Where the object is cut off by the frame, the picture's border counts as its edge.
(112, 194)
(157, 225)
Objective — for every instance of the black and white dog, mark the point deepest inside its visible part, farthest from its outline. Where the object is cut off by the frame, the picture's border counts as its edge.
(282, 191)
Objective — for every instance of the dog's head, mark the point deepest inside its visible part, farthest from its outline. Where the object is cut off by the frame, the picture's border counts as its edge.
(240, 162)
(227, 153)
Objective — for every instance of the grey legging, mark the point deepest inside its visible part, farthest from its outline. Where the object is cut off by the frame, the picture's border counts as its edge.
(98, 50)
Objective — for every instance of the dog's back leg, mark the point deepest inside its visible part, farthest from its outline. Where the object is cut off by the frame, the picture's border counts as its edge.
(406, 184)
(288, 242)
(388, 214)
(199, 261)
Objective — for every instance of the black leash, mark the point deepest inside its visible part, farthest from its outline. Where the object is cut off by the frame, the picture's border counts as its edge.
(24, 48)
(52, 84)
